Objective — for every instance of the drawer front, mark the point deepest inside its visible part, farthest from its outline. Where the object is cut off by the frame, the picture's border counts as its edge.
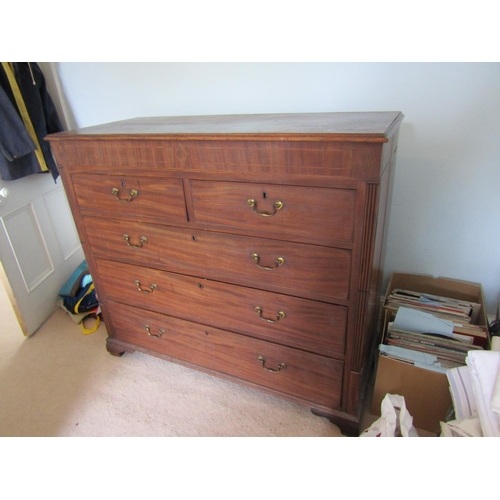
(300, 213)
(301, 323)
(276, 157)
(314, 378)
(293, 268)
(127, 196)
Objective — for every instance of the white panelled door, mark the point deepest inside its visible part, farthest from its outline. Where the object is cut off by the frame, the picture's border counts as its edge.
(39, 245)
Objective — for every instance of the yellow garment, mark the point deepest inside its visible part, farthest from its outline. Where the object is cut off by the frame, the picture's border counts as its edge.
(88, 331)
(24, 114)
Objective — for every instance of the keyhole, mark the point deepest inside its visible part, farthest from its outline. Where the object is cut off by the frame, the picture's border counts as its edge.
(123, 184)
(264, 195)
(194, 237)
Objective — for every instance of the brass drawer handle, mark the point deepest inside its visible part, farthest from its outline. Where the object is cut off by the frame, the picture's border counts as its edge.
(132, 194)
(278, 205)
(142, 240)
(279, 316)
(279, 262)
(152, 287)
(161, 332)
(262, 361)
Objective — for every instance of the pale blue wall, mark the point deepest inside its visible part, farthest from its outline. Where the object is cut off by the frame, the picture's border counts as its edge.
(445, 217)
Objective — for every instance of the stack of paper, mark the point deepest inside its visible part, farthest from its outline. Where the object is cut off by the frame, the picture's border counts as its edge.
(456, 310)
(458, 316)
(423, 333)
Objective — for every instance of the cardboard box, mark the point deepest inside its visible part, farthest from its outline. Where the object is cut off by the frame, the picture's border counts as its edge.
(427, 395)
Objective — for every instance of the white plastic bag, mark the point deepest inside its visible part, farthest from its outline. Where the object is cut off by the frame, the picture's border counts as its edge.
(463, 427)
(395, 420)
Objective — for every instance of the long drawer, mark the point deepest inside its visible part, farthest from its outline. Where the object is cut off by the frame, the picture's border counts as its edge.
(301, 213)
(305, 324)
(306, 270)
(155, 197)
(313, 378)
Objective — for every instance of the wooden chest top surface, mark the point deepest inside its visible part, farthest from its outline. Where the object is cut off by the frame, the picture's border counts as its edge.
(359, 126)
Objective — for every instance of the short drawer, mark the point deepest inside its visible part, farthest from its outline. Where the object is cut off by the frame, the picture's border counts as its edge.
(305, 324)
(128, 196)
(301, 213)
(309, 271)
(310, 377)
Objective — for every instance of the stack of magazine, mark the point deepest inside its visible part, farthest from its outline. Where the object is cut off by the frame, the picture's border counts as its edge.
(460, 311)
(431, 331)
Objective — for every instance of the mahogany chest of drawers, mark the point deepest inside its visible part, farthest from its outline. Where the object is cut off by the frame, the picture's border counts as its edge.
(246, 246)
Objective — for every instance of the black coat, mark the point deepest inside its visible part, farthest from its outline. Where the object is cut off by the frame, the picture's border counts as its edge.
(18, 158)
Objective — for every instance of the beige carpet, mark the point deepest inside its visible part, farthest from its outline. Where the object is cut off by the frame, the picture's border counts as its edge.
(60, 382)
